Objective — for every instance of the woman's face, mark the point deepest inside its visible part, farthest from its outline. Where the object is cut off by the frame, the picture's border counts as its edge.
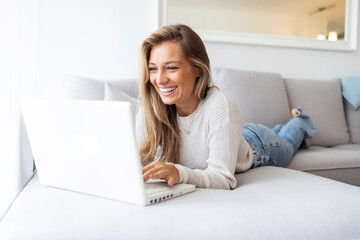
(173, 77)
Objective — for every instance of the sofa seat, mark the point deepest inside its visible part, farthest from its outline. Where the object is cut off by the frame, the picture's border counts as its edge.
(269, 203)
(340, 162)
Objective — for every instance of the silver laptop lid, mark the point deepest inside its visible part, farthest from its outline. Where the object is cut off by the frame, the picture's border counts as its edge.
(86, 146)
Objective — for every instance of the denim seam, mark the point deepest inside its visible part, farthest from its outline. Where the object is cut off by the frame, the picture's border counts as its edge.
(265, 146)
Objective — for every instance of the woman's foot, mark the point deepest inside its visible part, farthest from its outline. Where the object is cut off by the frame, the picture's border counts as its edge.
(294, 112)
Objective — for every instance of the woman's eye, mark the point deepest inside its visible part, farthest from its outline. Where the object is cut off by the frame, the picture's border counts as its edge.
(151, 69)
(172, 68)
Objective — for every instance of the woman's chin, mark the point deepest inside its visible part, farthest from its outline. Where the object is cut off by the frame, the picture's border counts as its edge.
(168, 102)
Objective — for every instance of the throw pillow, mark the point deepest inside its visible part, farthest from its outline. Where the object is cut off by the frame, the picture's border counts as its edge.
(129, 86)
(351, 91)
(76, 87)
(353, 121)
(322, 101)
(114, 94)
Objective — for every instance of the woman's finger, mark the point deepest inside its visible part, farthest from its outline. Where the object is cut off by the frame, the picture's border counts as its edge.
(160, 174)
(151, 170)
(147, 167)
(151, 165)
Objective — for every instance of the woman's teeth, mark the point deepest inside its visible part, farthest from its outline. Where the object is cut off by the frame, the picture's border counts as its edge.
(166, 90)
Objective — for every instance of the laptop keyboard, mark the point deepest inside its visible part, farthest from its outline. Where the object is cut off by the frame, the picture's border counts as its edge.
(151, 188)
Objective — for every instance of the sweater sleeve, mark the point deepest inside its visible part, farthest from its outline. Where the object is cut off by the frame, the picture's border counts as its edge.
(224, 139)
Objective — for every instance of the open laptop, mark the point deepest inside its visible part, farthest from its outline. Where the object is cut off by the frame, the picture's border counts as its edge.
(90, 147)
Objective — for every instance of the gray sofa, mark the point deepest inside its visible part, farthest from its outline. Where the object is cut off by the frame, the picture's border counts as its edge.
(267, 98)
(268, 203)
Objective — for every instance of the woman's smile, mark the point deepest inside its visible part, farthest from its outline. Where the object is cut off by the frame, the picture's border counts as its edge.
(167, 91)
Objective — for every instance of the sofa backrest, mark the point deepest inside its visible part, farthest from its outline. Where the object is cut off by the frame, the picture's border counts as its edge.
(264, 98)
(267, 98)
(260, 96)
(322, 101)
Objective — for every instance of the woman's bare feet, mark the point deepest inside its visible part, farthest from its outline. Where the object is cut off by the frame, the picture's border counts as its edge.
(294, 112)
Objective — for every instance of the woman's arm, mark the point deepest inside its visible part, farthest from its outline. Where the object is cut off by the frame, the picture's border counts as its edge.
(223, 143)
(221, 163)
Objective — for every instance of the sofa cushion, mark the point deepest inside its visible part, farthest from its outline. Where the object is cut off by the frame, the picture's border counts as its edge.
(322, 158)
(269, 203)
(353, 122)
(261, 97)
(129, 86)
(77, 87)
(322, 101)
(114, 94)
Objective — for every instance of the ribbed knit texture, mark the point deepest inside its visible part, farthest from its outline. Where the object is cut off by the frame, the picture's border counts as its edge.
(212, 147)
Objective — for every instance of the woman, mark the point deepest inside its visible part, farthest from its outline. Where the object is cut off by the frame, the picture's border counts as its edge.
(190, 132)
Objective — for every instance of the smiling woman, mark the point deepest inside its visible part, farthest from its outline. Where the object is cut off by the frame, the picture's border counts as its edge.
(191, 132)
(176, 76)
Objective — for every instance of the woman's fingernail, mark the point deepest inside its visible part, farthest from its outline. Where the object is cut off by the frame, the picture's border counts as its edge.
(152, 175)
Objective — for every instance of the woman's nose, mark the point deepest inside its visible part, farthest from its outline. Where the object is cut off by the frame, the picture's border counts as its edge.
(161, 77)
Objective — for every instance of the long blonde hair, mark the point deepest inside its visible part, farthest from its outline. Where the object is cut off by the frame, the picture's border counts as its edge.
(160, 119)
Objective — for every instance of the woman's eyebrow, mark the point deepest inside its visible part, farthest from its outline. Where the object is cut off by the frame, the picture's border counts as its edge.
(168, 62)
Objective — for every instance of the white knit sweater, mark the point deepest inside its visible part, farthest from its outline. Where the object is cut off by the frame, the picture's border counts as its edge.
(212, 147)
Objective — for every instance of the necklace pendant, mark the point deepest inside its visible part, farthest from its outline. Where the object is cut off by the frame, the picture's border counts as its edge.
(187, 131)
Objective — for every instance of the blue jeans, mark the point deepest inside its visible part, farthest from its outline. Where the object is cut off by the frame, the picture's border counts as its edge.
(277, 146)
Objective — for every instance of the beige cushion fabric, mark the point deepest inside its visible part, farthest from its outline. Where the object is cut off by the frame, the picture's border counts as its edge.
(353, 121)
(261, 97)
(346, 175)
(321, 158)
(352, 147)
(269, 203)
(322, 101)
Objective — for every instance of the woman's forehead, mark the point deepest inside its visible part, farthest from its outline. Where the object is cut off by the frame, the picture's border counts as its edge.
(164, 52)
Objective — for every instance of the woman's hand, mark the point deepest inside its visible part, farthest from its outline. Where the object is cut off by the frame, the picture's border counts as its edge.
(160, 170)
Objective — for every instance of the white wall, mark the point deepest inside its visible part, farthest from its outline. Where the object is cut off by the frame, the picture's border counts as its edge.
(101, 39)
(42, 39)
(9, 120)
(92, 38)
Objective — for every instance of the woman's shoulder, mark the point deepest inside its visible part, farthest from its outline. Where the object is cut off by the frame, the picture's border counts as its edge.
(219, 98)
(219, 105)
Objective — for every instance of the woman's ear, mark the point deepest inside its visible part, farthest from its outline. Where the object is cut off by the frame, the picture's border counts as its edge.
(197, 72)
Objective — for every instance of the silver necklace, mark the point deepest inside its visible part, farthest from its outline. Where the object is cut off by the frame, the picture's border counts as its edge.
(187, 128)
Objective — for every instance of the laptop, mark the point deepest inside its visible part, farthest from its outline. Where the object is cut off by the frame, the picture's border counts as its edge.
(90, 147)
